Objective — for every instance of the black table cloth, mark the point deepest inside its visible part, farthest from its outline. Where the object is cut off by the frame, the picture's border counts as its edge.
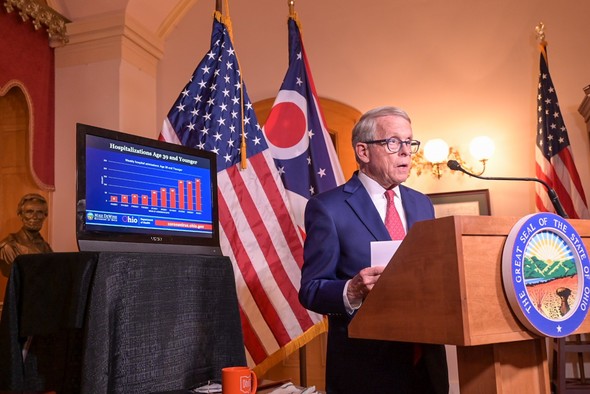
(118, 322)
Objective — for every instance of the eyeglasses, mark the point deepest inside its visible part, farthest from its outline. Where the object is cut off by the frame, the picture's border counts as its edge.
(394, 144)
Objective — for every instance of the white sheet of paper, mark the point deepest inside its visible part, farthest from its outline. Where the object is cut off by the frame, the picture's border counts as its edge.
(383, 251)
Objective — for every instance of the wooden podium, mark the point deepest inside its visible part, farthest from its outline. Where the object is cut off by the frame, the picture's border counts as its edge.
(444, 286)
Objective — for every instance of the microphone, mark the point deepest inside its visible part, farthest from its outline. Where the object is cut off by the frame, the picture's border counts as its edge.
(455, 166)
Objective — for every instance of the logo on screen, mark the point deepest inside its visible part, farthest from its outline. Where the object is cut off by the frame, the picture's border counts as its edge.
(546, 274)
(130, 219)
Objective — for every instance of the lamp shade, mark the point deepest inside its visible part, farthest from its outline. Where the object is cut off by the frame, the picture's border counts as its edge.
(482, 148)
(436, 150)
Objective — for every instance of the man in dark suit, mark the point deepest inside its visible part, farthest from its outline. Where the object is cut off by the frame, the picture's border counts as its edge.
(337, 273)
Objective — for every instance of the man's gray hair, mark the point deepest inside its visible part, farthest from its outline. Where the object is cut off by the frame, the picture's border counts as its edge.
(365, 128)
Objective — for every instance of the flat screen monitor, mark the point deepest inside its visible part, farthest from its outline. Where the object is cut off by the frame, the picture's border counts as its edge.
(136, 194)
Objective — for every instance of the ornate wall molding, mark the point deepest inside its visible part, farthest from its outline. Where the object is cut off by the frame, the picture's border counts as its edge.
(41, 15)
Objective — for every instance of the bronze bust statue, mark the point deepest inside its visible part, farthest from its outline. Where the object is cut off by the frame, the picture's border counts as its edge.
(33, 210)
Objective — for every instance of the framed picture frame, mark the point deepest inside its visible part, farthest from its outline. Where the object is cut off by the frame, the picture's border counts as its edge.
(467, 202)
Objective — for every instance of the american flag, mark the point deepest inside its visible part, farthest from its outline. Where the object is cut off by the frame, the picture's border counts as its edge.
(554, 160)
(258, 232)
(296, 132)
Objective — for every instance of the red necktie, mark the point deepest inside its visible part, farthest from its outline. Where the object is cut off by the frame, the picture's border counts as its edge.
(393, 222)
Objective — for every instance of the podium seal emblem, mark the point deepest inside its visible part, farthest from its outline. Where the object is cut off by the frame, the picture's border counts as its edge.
(546, 275)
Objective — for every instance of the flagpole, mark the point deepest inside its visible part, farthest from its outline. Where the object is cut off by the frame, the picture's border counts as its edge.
(227, 21)
(302, 349)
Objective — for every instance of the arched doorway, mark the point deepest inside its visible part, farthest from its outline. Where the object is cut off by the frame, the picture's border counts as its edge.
(15, 174)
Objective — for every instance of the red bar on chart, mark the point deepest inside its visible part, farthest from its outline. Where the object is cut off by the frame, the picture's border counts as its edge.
(181, 194)
(189, 197)
(172, 198)
(163, 199)
(114, 199)
(154, 198)
(198, 194)
(135, 199)
(144, 199)
(124, 198)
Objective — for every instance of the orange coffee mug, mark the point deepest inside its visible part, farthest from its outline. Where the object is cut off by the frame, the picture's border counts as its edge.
(238, 380)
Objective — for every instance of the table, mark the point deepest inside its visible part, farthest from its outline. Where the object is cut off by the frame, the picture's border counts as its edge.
(118, 322)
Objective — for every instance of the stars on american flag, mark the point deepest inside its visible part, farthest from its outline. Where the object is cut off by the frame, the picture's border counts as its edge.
(552, 133)
(209, 110)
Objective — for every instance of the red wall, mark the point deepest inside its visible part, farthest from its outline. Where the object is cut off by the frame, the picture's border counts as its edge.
(25, 56)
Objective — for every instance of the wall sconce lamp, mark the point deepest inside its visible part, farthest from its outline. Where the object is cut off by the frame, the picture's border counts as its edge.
(433, 158)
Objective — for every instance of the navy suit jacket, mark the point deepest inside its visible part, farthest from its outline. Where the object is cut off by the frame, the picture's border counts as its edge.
(340, 226)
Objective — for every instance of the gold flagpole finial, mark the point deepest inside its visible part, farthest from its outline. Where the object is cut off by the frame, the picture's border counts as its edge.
(540, 29)
(293, 14)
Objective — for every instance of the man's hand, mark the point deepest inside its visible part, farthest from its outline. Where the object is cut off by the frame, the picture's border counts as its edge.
(362, 283)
